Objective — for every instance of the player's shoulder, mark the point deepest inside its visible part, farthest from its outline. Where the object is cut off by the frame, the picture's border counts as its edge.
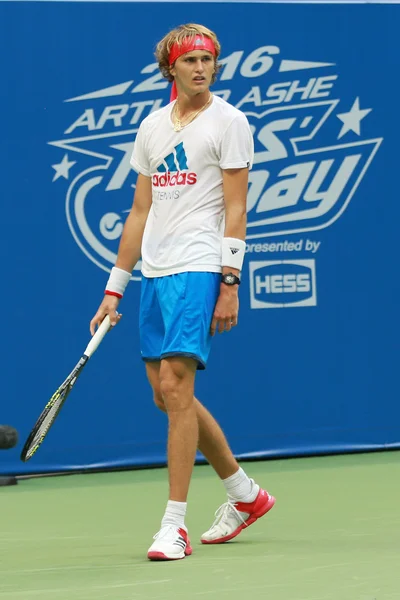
(226, 112)
(154, 118)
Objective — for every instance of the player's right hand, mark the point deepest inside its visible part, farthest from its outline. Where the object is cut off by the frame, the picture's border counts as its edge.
(107, 307)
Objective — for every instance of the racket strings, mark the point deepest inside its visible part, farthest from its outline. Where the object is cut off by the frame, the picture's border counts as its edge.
(51, 410)
(48, 419)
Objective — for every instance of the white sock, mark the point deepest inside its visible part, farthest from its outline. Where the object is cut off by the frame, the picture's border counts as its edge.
(240, 488)
(174, 514)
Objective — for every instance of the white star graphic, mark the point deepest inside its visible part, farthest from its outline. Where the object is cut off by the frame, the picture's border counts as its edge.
(351, 120)
(62, 169)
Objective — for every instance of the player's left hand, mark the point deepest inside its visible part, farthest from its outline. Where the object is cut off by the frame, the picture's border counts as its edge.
(226, 310)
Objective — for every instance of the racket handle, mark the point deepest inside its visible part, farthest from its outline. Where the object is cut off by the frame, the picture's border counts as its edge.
(98, 336)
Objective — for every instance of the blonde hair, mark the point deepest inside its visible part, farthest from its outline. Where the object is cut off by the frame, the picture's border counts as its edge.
(188, 31)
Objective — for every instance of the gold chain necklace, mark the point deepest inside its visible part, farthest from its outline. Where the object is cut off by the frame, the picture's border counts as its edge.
(179, 124)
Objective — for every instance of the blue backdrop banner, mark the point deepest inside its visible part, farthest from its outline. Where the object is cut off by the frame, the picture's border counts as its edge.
(311, 367)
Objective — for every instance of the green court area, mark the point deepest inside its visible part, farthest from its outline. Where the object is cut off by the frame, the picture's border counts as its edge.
(334, 534)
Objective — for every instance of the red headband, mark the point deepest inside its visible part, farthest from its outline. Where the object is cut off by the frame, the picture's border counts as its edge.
(199, 42)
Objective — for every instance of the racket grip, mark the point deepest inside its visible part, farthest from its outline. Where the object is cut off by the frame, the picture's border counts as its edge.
(98, 336)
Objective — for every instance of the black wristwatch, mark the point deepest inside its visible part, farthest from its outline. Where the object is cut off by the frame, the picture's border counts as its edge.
(230, 279)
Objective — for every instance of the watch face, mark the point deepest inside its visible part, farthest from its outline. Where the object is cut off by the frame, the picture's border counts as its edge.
(230, 279)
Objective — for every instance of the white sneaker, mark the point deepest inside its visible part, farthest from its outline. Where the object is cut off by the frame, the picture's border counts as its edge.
(171, 543)
(232, 518)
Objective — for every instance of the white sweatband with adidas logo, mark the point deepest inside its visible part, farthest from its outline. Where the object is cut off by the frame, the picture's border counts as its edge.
(117, 282)
(233, 253)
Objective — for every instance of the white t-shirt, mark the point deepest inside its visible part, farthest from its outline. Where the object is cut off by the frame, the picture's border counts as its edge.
(185, 224)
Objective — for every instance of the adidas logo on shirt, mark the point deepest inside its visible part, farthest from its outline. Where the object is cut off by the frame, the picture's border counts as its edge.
(172, 179)
(174, 170)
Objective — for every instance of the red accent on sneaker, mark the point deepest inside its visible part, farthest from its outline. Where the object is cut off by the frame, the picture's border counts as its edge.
(161, 556)
(261, 505)
(184, 534)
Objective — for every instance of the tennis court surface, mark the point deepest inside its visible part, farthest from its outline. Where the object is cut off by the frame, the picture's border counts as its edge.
(334, 534)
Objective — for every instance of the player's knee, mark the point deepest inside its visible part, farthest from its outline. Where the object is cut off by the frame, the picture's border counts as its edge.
(175, 392)
(168, 389)
(176, 379)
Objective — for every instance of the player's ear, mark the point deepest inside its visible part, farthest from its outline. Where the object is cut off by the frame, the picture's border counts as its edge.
(172, 70)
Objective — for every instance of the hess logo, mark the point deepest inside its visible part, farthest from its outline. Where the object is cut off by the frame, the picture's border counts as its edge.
(169, 179)
(280, 284)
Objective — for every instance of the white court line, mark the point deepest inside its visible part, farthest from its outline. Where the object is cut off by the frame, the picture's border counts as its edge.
(199, 562)
(208, 561)
(92, 588)
(75, 568)
(37, 539)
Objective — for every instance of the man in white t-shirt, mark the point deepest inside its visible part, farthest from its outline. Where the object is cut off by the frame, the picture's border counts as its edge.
(188, 223)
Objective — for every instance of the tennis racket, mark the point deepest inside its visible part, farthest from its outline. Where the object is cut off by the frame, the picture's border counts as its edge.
(53, 407)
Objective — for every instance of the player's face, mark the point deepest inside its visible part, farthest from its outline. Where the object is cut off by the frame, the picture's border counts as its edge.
(193, 71)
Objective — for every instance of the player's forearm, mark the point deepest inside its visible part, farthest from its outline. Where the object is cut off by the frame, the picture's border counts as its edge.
(235, 183)
(235, 222)
(131, 240)
(235, 227)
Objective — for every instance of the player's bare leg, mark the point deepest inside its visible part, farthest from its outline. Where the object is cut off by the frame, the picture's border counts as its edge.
(176, 386)
(247, 502)
(212, 441)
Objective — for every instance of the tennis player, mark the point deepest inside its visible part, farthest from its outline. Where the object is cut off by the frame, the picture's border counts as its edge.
(188, 223)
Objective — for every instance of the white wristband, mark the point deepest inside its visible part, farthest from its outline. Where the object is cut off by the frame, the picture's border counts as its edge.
(233, 253)
(117, 282)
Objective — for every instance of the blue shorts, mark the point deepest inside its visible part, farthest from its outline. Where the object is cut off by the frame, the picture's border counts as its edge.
(175, 315)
